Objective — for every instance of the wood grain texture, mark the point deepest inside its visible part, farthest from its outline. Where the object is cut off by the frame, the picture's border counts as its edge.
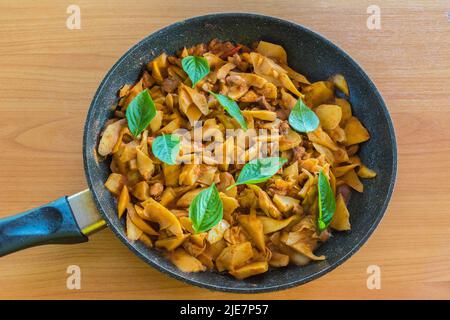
(48, 75)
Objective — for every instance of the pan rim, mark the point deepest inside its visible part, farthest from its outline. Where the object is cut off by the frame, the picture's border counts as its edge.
(248, 289)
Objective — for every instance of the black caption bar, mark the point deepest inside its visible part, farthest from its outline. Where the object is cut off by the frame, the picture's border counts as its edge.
(222, 309)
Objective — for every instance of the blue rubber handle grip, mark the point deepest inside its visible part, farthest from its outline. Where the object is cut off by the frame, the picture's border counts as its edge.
(48, 224)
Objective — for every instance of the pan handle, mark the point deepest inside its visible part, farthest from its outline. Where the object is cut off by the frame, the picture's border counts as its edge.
(63, 221)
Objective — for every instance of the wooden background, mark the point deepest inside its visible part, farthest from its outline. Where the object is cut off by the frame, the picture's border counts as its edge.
(48, 75)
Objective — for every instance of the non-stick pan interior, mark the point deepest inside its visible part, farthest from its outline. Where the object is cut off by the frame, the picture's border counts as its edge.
(308, 53)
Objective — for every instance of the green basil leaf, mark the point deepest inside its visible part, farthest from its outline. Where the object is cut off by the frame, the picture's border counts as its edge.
(302, 118)
(206, 210)
(232, 108)
(140, 112)
(166, 148)
(327, 203)
(195, 67)
(259, 170)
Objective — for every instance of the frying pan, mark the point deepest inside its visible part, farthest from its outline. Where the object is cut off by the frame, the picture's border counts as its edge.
(71, 219)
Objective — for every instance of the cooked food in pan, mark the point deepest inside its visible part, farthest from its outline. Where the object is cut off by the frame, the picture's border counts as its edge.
(225, 158)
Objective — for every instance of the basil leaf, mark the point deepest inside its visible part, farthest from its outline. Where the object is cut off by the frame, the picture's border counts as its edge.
(302, 118)
(206, 210)
(259, 170)
(327, 203)
(232, 108)
(195, 67)
(166, 148)
(140, 112)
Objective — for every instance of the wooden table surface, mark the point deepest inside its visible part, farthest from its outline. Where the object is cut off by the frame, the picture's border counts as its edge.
(48, 75)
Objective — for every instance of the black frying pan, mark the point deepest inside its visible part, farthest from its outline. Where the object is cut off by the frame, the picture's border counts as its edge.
(69, 220)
